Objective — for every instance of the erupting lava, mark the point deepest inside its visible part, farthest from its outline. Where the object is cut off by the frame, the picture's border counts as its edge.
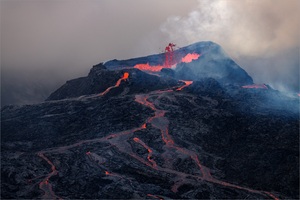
(169, 61)
(124, 78)
(256, 86)
(190, 57)
(169, 55)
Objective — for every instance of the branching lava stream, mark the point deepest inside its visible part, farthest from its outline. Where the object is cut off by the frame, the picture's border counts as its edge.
(120, 141)
(45, 185)
(160, 122)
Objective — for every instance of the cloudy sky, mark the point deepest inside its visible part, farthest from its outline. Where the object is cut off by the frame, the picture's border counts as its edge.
(46, 42)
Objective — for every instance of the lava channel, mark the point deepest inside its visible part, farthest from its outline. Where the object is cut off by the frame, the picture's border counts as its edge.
(187, 83)
(149, 157)
(45, 185)
(160, 122)
(125, 77)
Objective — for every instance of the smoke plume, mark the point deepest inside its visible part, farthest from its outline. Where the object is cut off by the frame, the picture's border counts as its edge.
(261, 35)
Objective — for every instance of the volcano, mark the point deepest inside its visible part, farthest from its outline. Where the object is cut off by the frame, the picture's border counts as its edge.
(196, 128)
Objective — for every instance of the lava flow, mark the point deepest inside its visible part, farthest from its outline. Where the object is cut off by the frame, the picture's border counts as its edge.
(256, 86)
(169, 60)
(160, 122)
(187, 83)
(149, 157)
(171, 149)
(190, 57)
(125, 77)
(147, 67)
(45, 185)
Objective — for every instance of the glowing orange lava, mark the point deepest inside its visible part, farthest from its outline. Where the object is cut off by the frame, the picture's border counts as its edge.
(149, 157)
(256, 86)
(187, 83)
(168, 62)
(160, 121)
(147, 67)
(45, 185)
(124, 78)
(190, 57)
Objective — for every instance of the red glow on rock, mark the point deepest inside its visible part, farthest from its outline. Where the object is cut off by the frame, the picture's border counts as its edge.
(144, 126)
(166, 137)
(154, 196)
(190, 57)
(88, 153)
(187, 83)
(107, 173)
(124, 78)
(149, 157)
(147, 67)
(256, 86)
(45, 185)
(272, 196)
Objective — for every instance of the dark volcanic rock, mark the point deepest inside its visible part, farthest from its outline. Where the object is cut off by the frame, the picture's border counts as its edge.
(152, 138)
(212, 63)
(100, 78)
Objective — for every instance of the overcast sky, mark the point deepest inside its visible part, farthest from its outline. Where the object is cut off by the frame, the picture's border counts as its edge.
(46, 42)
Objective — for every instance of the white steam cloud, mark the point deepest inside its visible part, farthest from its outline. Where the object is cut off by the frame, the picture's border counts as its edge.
(248, 27)
(261, 35)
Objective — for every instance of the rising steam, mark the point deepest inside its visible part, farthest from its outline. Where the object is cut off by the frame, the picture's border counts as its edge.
(248, 30)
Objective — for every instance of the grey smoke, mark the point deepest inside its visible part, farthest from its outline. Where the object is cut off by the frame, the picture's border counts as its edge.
(44, 43)
(261, 35)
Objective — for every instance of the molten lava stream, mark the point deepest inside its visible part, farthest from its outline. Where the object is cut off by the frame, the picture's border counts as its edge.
(147, 67)
(45, 185)
(162, 124)
(125, 77)
(187, 83)
(149, 157)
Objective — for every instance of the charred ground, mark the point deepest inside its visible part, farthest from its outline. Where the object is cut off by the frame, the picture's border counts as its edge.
(147, 139)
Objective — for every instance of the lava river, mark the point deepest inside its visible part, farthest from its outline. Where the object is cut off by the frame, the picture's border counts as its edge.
(160, 122)
(122, 141)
